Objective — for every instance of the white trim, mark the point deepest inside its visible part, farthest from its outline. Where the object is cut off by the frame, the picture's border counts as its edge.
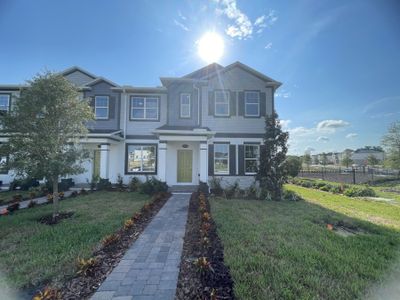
(215, 103)
(145, 98)
(257, 159)
(107, 107)
(185, 104)
(141, 158)
(245, 104)
(222, 173)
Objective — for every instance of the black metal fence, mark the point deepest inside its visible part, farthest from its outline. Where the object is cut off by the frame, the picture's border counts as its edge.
(350, 175)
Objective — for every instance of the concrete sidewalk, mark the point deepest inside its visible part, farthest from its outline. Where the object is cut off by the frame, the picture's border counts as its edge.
(150, 268)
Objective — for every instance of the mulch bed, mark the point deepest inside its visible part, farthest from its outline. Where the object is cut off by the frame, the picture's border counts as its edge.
(49, 220)
(83, 285)
(212, 280)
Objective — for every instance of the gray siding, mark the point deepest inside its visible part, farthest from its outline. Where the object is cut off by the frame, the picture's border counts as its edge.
(174, 92)
(78, 78)
(103, 88)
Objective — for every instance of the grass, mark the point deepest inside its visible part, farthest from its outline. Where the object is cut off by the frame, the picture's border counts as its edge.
(282, 250)
(6, 196)
(32, 253)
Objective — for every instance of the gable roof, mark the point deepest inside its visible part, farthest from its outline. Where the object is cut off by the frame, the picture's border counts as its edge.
(99, 79)
(205, 71)
(79, 69)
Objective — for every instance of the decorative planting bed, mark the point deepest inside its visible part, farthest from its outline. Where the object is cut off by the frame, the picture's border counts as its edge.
(203, 274)
(93, 271)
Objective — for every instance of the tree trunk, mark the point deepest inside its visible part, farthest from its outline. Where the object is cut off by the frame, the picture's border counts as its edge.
(55, 197)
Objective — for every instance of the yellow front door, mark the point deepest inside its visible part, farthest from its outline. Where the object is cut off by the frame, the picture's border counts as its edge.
(185, 158)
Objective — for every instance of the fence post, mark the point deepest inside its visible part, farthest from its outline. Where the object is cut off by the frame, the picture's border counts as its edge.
(354, 175)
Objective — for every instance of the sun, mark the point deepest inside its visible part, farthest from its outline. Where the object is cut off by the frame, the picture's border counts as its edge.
(210, 47)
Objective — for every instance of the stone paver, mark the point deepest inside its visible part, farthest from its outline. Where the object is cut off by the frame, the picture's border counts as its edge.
(39, 200)
(150, 267)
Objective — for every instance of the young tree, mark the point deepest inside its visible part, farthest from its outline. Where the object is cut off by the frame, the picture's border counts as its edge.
(372, 160)
(346, 161)
(316, 159)
(44, 128)
(307, 160)
(324, 160)
(293, 165)
(391, 141)
(272, 172)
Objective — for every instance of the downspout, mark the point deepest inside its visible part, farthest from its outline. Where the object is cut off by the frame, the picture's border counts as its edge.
(125, 113)
(198, 104)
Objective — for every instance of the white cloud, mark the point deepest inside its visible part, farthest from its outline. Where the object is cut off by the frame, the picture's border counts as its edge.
(260, 21)
(268, 46)
(323, 139)
(181, 16)
(301, 131)
(265, 21)
(283, 94)
(330, 126)
(351, 135)
(179, 24)
(285, 123)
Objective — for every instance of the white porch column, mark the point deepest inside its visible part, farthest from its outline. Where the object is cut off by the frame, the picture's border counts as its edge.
(162, 161)
(203, 162)
(104, 160)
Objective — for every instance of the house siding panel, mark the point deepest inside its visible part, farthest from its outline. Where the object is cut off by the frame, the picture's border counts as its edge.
(78, 78)
(174, 92)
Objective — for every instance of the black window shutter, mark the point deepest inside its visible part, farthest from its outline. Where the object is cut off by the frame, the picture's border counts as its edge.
(241, 159)
(241, 103)
(112, 104)
(263, 104)
(210, 160)
(232, 159)
(232, 104)
(211, 105)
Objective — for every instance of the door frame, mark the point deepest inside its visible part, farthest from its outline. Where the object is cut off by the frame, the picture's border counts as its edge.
(177, 166)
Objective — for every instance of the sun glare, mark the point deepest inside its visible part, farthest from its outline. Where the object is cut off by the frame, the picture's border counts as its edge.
(210, 47)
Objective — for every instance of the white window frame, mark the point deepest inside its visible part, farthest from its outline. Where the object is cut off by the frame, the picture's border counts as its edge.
(228, 159)
(9, 101)
(219, 103)
(141, 158)
(245, 104)
(187, 105)
(97, 106)
(257, 159)
(145, 118)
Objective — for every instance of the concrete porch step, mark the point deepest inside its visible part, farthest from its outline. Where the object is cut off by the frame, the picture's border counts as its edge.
(183, 188)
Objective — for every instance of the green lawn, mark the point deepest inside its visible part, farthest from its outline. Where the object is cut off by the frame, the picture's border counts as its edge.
(32, 253)
(6, 196)
(282, 250)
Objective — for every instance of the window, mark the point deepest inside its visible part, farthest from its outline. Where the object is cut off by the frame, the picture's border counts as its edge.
(252, 104)
(221, 158)
(141, 158)
(222, 103)
(251, 158)
(144, 108)
(185, 106)
(3, 165)
(101, 107)
(4, 102)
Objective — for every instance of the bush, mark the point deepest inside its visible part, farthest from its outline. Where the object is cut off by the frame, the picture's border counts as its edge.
(134, 184)
(203, 188)
(290, 196)
(152, 186)
(13, 207)
(215, 186)
(103, 184)
(251, 192)
(232, 191)
(17, 198)
(120, 182)
(355, 191)
(24, 184)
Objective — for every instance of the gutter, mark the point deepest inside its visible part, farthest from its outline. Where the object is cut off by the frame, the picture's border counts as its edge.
(126, 111)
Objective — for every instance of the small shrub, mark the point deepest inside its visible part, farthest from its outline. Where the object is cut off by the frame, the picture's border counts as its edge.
(203, 188)
(136, 217)
(251, 192)
(47, 294)
(93, 183)
(206, 217)
(128, 224)
(74, 194)
(13, 207)
(232, 191)
(83, 192)
(110, 240)
(153, 185)
(86, 266)
(120, 182)
(61, 195)
(290, 196)
(32, 204)
(103, 184)
(49, 198)
(359, 192)
(17, 198)
(134, 184)
(147, 207)
(32, 195)
(27, 183)
(202, 264)
(216, 186)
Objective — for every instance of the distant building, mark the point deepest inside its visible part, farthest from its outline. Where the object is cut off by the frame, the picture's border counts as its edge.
(361, 155)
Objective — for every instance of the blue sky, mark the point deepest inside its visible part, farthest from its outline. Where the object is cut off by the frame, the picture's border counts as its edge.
(339, 61)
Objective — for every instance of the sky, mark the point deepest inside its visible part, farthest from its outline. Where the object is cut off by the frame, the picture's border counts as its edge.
(339, 61)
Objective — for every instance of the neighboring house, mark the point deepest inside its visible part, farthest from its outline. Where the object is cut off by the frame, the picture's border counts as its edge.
(360, 156)
(207, 123)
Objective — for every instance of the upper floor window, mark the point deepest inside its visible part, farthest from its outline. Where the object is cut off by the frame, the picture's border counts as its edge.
(251, 158)
(252, 104)
(185, 106)
(101, 107)
(141, 158)
(222, 103)
(4, 102)
(144, 108)
(221, 158)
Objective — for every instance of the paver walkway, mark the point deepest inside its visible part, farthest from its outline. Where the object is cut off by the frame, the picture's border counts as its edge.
(39, 200)
(150, 268)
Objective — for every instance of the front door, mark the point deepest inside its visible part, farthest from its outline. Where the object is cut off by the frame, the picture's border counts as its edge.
(185, 159)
